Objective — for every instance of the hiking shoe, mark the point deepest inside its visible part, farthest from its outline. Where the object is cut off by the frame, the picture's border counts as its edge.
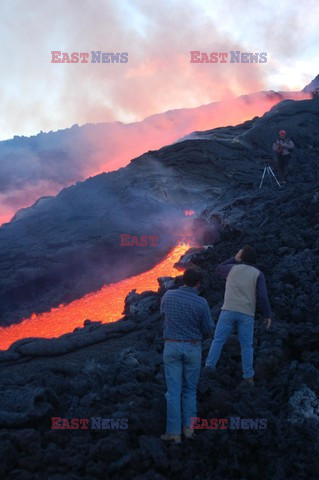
(189, 433)
(249, 381)
(167, 437)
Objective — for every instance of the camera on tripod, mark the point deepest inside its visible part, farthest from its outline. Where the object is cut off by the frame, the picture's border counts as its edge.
(268, 171)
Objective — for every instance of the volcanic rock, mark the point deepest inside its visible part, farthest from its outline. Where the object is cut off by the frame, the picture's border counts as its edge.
(116, 371)
(69, 245)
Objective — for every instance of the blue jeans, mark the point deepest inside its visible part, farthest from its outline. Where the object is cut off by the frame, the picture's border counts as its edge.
(182, 361)
(245, 327)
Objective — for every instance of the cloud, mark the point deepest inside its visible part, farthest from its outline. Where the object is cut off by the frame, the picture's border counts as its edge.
(38, 95)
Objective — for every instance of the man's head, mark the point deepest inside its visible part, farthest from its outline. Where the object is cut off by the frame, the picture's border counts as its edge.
(282, 134)
(248, 255)
(192, 277)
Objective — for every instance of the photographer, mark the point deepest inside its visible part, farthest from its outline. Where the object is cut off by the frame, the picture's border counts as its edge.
(283, 147)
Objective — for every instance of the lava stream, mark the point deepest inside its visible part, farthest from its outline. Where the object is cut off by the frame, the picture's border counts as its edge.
(105, 305)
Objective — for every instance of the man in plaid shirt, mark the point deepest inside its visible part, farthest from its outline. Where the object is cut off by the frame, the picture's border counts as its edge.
(186, 319)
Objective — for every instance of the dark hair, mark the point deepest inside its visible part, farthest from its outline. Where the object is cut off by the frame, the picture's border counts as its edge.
(192, 276)
(248, 255)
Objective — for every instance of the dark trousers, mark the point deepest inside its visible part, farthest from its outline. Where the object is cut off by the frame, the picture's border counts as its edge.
(282, 164)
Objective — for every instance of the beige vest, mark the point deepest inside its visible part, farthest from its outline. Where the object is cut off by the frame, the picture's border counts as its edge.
(240, 291)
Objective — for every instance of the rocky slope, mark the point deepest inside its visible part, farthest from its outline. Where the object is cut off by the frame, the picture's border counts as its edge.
(69, 245)
(43, 164)
(116, 371)
(313, 86)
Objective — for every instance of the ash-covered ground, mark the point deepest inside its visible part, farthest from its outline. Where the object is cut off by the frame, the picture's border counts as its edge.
(116, 370)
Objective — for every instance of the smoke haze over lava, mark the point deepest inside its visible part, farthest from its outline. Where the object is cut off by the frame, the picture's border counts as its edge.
(44, 164)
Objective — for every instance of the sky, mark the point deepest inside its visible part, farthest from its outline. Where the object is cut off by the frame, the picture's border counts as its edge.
(37, 95)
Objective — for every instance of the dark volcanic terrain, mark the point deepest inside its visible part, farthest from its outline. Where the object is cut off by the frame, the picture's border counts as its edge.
(116, 370)
(65, 246)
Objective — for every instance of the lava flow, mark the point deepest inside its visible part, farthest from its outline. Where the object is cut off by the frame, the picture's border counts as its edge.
(105, 305)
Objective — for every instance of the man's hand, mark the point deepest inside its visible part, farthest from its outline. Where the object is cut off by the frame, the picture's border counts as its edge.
(238, 256)
(267, 322)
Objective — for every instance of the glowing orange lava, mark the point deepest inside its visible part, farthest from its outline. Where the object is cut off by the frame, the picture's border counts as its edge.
(105, 305)
(189, 213)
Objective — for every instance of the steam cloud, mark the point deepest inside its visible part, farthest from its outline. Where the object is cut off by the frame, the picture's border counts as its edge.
(158, 76)
(44, 164)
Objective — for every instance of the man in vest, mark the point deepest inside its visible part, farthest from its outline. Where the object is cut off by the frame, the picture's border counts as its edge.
(283, 147)
(244, 285)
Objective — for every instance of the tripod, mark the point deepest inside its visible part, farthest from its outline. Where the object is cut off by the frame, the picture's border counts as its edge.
(271, 175)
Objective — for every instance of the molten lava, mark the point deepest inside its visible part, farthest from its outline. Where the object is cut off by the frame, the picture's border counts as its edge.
(105, 305)
(189, 213)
